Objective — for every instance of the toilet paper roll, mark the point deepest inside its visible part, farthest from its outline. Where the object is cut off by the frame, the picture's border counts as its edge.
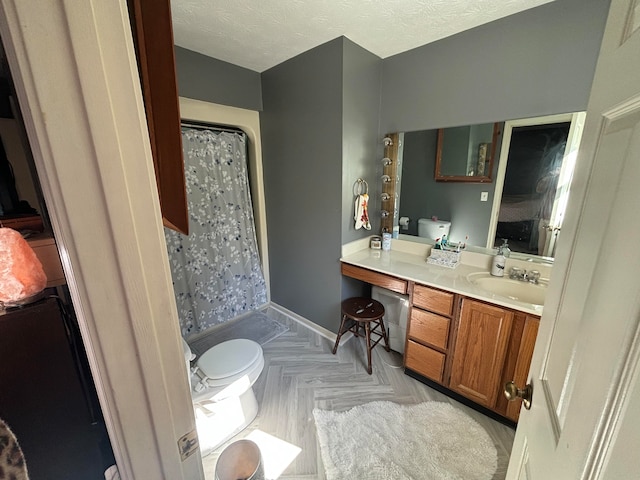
(404, 222)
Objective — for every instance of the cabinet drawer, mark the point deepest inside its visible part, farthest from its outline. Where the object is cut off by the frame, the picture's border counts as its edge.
(374, 278)
(430, 328)
(433, 300)
(425, 361)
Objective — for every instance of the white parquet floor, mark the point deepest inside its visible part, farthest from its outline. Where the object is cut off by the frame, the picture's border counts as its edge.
(301, 374)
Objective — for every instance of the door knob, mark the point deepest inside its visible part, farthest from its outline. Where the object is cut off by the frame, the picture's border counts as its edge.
(511, 391)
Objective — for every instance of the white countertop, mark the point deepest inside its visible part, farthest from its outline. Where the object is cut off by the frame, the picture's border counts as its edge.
(410, 265)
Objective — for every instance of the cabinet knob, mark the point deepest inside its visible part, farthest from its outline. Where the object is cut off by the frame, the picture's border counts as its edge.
(511, 391)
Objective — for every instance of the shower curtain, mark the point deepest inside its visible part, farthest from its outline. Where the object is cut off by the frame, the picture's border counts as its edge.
(216, 270)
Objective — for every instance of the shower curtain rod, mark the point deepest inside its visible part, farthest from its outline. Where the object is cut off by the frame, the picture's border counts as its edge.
(209, 126)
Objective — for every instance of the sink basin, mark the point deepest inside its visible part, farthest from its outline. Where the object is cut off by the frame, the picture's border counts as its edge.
(515, 289)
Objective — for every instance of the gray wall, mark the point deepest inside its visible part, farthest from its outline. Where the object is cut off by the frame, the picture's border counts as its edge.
(533, 63)
(360, 152)
(319, 125)
(302, 158)
(211, 80)
(361, 148)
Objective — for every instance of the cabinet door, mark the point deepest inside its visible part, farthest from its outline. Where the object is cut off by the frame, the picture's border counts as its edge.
(43, 399)
(480, 350)
(523, 362)
(153, 36)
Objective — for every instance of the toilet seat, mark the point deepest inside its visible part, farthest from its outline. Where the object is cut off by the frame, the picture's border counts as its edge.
(227, 370)
(229, 358)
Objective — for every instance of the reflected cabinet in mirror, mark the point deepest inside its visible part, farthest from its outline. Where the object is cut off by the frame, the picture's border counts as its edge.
(525, 204)
(465, 154)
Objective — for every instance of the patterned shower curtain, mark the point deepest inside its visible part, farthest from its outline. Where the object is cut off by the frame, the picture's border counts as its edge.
(216, 269)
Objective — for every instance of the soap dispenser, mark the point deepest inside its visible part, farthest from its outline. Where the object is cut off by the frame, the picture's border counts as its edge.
(498, 263)
(506, 251)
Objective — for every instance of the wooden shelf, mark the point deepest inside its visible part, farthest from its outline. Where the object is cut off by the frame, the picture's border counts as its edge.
(44, 245)
(23, 222)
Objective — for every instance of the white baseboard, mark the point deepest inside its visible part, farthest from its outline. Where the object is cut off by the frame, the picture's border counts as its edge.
(328, 334)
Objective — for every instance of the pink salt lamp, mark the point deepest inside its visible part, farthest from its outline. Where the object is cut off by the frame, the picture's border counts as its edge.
(21, 273)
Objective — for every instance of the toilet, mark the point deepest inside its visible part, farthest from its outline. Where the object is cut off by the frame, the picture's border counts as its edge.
(222, 381)
(433, 229)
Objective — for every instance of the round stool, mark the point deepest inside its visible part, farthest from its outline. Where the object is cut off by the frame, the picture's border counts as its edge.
(364, 312)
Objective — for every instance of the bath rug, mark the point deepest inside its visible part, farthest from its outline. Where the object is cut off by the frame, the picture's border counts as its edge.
(382, 440)
(255, 326)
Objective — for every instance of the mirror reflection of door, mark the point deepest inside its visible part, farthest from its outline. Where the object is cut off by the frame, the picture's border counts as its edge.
(534, 176)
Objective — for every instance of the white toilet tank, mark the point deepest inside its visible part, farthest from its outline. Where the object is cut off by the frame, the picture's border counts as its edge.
(433, 229)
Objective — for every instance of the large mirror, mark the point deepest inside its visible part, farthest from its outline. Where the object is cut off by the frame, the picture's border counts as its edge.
(533, 167)
(466, 153)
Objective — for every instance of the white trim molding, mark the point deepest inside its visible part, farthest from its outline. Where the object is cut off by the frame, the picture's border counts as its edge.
(314, 327)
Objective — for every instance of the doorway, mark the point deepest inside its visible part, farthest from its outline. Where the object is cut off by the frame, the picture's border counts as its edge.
(48, 397)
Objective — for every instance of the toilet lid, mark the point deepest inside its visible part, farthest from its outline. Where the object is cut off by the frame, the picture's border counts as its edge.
(229, 358)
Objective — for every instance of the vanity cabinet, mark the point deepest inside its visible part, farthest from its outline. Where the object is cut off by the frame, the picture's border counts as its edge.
(462, 345)
(469, 347)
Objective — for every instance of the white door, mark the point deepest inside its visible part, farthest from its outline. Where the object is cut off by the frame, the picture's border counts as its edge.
(585, 414)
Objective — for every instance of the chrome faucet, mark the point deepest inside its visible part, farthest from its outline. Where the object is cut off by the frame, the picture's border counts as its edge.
(532, 276)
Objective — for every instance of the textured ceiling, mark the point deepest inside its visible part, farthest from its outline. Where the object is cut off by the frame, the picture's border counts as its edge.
(258, 34)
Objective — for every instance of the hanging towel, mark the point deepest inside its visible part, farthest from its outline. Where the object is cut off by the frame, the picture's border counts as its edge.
(362, 216)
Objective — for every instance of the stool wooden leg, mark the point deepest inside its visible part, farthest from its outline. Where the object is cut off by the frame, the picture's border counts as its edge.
(384, 335)
(367, 331)
(340, 332)
(356, 328)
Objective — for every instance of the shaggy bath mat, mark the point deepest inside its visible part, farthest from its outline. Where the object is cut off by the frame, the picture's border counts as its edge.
(256, 326)
(382, 440)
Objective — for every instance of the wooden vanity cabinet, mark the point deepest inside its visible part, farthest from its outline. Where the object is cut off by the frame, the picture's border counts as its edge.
(466, 346)
(469, 347)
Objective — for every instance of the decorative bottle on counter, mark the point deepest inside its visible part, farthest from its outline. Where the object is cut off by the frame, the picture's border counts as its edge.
(386, 239)
(498, 263)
